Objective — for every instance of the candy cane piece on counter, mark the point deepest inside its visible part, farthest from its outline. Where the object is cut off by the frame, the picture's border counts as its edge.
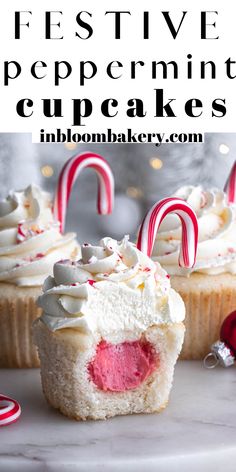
(153, 219)
(230, 186)
(10, 410)
(68, 176)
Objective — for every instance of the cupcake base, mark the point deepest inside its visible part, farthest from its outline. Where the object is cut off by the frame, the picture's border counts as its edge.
(66, 354)
(18, 310)
(208, 300)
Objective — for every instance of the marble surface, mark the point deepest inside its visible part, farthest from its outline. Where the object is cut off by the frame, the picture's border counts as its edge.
(197, 432)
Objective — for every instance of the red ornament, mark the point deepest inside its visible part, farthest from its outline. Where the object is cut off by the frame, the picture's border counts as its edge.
(223, 351)
(228, 332)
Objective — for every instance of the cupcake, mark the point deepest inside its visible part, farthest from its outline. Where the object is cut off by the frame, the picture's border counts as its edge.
(110, 333)
(31, 241)
(209, 288)
(30, 244)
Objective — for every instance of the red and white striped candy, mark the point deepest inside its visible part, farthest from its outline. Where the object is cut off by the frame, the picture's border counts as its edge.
(68, 176)
(153, 219)
(24, 232)
(230, 186)
(10, 410)
(21, 233)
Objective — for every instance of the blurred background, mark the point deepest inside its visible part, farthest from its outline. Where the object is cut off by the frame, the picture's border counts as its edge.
(143, 174)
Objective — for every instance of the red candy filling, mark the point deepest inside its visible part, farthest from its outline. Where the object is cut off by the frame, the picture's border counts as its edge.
(124, 366)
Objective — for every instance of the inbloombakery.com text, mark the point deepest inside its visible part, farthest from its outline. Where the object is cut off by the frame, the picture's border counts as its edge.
(109, 136)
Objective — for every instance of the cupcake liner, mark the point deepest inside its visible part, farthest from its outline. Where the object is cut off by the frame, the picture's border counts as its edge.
(18, 310)
(208, 300)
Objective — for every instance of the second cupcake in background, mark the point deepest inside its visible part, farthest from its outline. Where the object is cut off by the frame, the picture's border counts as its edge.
(31, 241)
(209, 288)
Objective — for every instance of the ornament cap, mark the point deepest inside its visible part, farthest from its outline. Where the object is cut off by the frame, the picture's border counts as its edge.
(221, 354)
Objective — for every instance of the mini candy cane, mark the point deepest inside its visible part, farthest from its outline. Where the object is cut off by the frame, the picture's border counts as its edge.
(230, 186)
(10, 410)
(69, 174)
(153, 219)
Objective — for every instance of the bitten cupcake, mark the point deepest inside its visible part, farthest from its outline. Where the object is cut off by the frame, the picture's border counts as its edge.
(110, 333)
(31, 241)
(30, 244)
(209, 288)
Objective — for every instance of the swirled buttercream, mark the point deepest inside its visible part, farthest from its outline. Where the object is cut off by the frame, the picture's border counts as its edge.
(30, 240)
(113, 287)
(217, 234)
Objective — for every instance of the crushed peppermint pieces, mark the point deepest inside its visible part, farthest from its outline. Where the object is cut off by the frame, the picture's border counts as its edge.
(91, 282)
(24, 233)
(38, 256)
(29, 259)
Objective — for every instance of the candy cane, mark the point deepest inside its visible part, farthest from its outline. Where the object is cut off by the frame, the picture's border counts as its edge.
(10, 410)
(153, 219)
(230, 186)
(67, 178)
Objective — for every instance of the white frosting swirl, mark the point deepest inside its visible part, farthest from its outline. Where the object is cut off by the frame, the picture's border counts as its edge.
(30, 240)
(113, 287)
(216, 252)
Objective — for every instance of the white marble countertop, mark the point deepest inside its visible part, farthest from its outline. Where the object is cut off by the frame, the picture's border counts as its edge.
(196, 433)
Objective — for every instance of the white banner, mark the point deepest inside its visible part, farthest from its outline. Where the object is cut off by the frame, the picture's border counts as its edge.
(117, 68)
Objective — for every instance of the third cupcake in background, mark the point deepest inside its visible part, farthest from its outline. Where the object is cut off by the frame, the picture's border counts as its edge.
(209, 288)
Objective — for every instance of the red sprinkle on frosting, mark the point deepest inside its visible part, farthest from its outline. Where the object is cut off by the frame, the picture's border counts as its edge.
(39, 255)
(91, 282)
